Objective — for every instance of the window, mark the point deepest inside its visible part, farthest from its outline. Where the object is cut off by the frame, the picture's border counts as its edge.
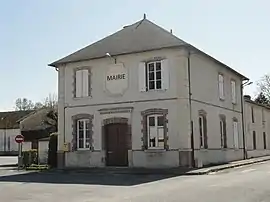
(235, 134)
(252, 115)
(221, 86)
(233, 86)
(263, 118)
(82, 83)
(154, 75)
(223, 132)
(155, 126)
(254, 140)
(264, 141)
(83, 134)
(203, 131)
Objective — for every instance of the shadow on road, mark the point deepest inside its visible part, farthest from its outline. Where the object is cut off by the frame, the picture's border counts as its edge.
(84, 178)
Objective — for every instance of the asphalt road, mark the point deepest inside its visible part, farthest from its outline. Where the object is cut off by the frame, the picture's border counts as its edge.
(245, 184)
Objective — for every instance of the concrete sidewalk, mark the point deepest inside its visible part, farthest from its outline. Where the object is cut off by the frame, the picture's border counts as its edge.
(163, 171)
(233, 164)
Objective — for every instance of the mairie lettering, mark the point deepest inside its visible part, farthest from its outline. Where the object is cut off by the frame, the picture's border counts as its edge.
(116, 77)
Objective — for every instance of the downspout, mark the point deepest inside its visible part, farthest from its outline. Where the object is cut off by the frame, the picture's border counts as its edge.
(190, 112)
(243, 122)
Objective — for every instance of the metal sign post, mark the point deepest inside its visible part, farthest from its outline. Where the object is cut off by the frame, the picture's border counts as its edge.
(19, 139)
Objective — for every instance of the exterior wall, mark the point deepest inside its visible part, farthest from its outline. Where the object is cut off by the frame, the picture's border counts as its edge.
(177, 140)
(259, 127)
(205, 96)
(8, 144)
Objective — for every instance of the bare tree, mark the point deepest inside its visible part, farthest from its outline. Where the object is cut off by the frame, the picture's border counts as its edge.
(23, 104)
(264, 86)
(50, 101)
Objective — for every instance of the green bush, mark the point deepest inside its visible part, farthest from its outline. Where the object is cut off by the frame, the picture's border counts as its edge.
(52, 153)
(30, 157)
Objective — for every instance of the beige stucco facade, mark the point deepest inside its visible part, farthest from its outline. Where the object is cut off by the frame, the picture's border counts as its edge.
(132, 102)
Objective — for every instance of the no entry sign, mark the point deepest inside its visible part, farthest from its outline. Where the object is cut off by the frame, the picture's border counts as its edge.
(19, 139)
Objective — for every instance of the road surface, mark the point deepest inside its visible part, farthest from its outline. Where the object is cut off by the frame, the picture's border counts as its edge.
(245, 184)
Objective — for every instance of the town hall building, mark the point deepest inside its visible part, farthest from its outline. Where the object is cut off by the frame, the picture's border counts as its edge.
(142, 97)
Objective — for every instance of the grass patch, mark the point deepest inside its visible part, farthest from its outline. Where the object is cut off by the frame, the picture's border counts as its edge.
(37, 167)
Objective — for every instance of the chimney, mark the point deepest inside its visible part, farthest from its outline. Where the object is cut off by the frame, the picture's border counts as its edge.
(247, 97)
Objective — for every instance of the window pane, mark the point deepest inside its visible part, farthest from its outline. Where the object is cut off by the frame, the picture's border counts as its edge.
(80, 133)
(158, 75)
(87, 134)
(152, 136)
(151, 67)
(151, 76)
(80, 124)
(160, 134)
(160, 121)
(151, 121)
(151, 85)
(81, 143)
(158, 66)
(87, 143)
(87, 123)
(158, 84)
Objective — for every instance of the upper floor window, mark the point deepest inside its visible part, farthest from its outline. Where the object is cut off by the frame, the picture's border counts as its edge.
(154, 75)
(252, 114)
(221, 86)
(82, 83)
(83, 134)
(223, 131)
(233, 91)
(263, 117)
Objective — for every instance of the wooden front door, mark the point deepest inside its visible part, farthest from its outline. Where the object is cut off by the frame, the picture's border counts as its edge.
(116, 144)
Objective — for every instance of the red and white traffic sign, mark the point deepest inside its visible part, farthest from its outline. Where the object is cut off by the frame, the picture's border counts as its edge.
(19, 139)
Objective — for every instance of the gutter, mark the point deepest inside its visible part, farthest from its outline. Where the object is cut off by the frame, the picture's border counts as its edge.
(190, 112)
(243, 121)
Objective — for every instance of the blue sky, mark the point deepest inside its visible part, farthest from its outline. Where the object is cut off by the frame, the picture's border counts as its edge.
(35, 33)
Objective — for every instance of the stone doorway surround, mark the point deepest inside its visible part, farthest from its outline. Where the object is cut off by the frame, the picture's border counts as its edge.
(118, 115)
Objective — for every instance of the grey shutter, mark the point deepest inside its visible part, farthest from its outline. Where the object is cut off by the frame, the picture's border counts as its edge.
(85, 83)
(142, 77)
(74, 135)
(165, 80)
(78, 83)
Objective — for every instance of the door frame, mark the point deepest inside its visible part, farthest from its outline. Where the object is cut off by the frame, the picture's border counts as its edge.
(116, 120)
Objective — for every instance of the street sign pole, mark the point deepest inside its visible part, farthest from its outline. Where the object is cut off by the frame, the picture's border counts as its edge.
(20, 156)
(19, 139)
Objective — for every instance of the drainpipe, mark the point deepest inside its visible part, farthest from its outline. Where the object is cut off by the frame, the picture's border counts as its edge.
(243, 124)
(243, 118)
(190, 112)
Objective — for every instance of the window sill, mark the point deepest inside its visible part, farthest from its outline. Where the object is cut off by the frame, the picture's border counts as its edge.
(155, 90)
(155, 150)
(222, 99)
(82, 98)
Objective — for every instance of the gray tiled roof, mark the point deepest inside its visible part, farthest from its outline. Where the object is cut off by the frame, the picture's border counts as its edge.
(141, 36)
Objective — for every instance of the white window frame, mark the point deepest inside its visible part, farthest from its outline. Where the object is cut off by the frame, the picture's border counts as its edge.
(201, 131)
(233, 91)
(86, 141)
(221, 86)
(156, 129)
(155, 75)
(82, 81)
(236, 134)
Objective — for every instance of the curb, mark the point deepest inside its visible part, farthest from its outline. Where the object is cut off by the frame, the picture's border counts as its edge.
(212, 170)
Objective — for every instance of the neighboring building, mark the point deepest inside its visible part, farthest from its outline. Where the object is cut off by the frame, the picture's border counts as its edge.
(257, 128)
(142, 97)
(36, 129)
(9, 128)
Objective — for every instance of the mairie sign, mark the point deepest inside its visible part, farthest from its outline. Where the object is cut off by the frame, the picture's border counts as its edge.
(116, 79)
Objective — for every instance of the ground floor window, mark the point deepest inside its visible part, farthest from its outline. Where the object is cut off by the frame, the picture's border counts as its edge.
(83, 134)
(254, 140)
(155, 125)
(223, 131)
(264, 141)
(235, 134)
